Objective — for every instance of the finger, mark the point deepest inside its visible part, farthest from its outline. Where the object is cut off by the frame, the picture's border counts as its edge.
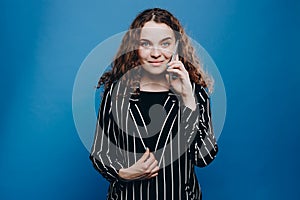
(168, 78)
(178, 66)
(145, 155)
(149, 162)
(177, 57)
(153, 166)
(176, 72)
(140, 177)
(154, 172)
(175, 63)
(155, 169)
(153, 175)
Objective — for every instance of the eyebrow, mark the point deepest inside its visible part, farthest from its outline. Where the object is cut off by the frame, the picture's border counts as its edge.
(167, 38)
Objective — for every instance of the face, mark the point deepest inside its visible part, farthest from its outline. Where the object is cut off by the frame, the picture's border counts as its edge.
(157, 44)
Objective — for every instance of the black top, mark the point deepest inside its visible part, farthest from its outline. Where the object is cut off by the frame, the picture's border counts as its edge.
(153, 112)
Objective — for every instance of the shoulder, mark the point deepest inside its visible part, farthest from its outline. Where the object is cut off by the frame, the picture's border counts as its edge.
(109, 90)
(116, 91)
(200, 91)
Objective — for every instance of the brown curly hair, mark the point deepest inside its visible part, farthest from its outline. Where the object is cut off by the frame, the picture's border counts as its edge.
(126, 63)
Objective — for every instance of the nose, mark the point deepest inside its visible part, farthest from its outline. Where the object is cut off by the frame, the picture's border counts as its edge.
(155, 52)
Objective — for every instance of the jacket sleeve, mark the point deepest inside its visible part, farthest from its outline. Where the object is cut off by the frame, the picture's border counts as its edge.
(198, 130)
(105, 153)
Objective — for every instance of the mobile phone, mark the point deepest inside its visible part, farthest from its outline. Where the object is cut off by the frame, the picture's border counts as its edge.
(175, 51)
(171, 75)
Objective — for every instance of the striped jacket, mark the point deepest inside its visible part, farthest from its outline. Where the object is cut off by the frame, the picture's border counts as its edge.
(184, 139)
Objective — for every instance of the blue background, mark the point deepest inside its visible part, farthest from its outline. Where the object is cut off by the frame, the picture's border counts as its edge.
(255, 45)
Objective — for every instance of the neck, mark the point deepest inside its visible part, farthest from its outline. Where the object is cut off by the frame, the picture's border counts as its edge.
(154, 83)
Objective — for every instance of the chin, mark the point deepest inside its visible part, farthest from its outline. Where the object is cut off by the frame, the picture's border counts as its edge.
(155, 71)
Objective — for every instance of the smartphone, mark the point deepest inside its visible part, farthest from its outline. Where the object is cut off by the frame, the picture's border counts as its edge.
(175, 51)
(173, 58)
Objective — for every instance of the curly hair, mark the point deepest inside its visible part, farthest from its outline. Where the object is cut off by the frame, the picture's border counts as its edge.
(126, 62)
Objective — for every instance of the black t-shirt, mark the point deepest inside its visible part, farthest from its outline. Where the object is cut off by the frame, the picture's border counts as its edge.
(152, 109)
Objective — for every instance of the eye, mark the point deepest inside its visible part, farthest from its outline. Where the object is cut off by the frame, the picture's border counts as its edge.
(145, 43)
(165, 44)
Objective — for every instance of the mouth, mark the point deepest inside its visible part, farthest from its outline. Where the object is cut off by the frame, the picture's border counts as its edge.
(156, 63)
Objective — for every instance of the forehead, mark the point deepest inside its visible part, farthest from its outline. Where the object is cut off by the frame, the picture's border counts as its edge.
(156, 31)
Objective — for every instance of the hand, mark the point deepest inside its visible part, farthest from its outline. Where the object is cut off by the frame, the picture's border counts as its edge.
(181, 84)
(145, 168)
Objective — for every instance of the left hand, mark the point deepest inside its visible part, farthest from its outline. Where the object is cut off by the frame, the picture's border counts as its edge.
(182, 84)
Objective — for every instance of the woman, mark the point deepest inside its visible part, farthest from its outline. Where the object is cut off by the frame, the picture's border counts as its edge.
(154, 123)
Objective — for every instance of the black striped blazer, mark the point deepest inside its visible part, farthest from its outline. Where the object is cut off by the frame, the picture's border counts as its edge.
(184, 139)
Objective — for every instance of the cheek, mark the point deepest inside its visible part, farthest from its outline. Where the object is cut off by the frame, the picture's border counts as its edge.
(143, 53)
(167, 54)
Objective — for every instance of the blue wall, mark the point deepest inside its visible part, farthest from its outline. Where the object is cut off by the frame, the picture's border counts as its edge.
(255, 45)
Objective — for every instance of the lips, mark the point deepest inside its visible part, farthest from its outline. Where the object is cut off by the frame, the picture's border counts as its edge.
(156, 63)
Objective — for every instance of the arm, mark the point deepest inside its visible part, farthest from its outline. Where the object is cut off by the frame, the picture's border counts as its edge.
(105, 153)
(197, 129)
(196, 126)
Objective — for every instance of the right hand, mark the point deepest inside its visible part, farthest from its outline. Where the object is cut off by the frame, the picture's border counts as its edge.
(145, 168)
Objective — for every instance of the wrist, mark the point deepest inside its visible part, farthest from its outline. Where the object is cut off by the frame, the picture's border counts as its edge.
(122, 173)
(189, 101)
